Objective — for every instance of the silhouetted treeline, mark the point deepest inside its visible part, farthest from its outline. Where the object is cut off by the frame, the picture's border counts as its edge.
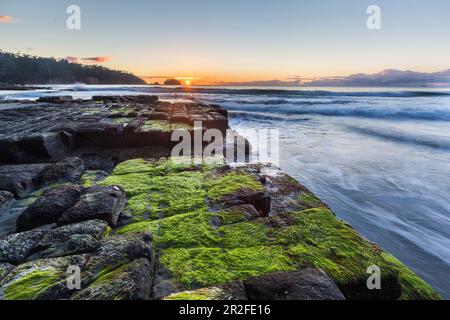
(26, 69)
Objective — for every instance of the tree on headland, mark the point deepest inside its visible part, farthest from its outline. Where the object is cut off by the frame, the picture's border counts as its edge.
(172, 82)
(27, 69)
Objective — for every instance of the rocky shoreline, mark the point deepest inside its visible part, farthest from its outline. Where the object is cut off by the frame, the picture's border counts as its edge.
(91, 185)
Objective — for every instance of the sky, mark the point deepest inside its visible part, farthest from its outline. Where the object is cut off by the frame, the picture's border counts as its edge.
(216, 41)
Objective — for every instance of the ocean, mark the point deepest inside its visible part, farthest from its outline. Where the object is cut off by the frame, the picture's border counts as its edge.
(379, 157)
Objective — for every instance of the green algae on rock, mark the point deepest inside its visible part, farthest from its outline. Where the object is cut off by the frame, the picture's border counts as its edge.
(92, 177)
(203, 247)
(42, 279)
(127, 282)
(220, 186)
(213, 293)
(197, 267)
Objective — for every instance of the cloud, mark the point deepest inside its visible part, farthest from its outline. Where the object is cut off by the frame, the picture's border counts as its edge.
(386, 78)
(157, 77)
(267, 83)
(7, 19)
(73, 59)
(96, 59)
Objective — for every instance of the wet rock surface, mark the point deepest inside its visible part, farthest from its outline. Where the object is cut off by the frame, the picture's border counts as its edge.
(68, 240)
(90, 187)
(99, 202)
(5, 268)
(40, 280)
(20, 179)
(308, 284)
(129, 282)
(50, 207)
(6, 199)
(15, 248)
(56, 126)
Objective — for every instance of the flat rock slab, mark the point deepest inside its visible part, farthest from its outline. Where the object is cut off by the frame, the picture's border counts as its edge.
(59, 125)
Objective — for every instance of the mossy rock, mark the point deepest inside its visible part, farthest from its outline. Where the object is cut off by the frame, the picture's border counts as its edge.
(220, 186)
(202, 244)
(92, 177)
(166, 188)
(197, 267)
(203, 294)
(131, 281)
(42, 279)
(151, 125)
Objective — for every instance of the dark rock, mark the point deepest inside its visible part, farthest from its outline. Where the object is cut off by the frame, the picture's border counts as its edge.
(49, 207)
(56, 99)
(115, 252)
(125, 219)
(234, 291)
(216, 121)
(66, 126)
(307, 284)
(98, 202)
(98, 135)
(230, 291)
(5, 268)
(20, 179)
(132, 281)
(45, 145)
(165, 107)
(99, 98)
(357, 289)
(196, 118)
(98, 161)
(44, 279)
(219, 109)
(159, 116)
(147, 99)
(260, 200)
(180, 118)
(72, 239)
(131, 130)
(67, 170)
(6, 199)
(248, 210)
(9, 151)
(153, 138)
(15, 248)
